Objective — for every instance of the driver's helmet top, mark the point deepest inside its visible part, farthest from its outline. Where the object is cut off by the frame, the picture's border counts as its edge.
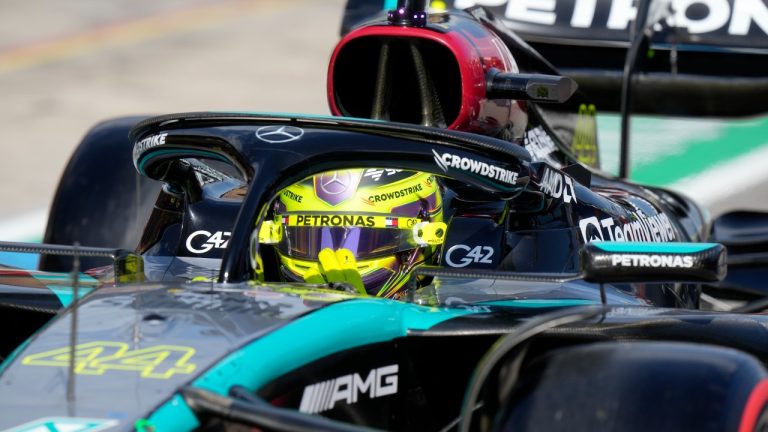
(372, 213)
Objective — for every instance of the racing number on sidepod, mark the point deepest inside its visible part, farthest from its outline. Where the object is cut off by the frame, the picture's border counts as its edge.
(96, 358)
(477, 254)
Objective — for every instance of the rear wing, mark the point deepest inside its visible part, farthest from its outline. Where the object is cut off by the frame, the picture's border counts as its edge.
(705, 58)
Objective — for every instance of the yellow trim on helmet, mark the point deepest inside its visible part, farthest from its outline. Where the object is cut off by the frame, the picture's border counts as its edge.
(374, 198)
(346, 220)
(300, 267)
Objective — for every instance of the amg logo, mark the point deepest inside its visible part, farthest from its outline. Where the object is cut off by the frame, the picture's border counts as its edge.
(348, 388)
(447, 160)
(634, 260)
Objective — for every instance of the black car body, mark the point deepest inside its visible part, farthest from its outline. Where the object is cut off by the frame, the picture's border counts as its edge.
(580, 309)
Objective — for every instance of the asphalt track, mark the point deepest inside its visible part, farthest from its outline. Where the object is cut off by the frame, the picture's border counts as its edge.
(64, 66)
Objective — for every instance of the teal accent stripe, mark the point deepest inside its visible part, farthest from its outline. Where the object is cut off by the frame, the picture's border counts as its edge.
(735, 139)
(666, 150)
(541, 303)
(174, 416)
(282, 115)
(390, 4)
(648, 247)
(334, 328)
(8, 360)
(63, 292)
(185, 151)
(26, 261)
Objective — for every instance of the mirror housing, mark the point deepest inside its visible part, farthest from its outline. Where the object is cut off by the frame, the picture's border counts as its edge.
(605, 262)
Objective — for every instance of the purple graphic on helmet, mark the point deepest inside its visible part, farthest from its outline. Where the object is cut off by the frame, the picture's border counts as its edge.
(337, 186)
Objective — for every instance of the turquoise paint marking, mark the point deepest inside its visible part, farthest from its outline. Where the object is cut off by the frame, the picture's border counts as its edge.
(666, 150)
(65, 294)
(334, 328)
(185, 151)
(24, 261)
(647, 247)
(174, 416)
(8, 360)
(65, 424)
(737, 138)
(541, 303)
(299, 116)
(63, 277)
(390, 4)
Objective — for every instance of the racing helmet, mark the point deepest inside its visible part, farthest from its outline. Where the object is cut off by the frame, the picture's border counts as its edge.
(390, 220)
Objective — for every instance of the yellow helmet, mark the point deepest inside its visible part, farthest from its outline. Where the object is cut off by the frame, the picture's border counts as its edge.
(382, 216)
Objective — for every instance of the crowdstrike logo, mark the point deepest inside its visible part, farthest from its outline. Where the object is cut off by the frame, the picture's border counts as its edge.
(404, 192)
(448, 160)
(439, 161)
(323, 396)
(148, 143)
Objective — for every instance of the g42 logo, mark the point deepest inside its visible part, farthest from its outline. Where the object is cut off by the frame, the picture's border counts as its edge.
(216, 240)
(462, 255)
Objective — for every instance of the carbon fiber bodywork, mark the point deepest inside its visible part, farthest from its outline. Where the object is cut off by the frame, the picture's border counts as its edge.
(558, 290)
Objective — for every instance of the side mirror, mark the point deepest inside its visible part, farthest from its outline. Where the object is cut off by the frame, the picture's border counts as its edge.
(532, 87)
(606, 262)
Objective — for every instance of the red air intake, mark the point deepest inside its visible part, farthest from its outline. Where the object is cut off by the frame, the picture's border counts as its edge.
(433, 75)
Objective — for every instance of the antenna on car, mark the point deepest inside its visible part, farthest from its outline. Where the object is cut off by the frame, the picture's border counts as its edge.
(640, 38)
(73, 327)
(410, 13)
(121, 260)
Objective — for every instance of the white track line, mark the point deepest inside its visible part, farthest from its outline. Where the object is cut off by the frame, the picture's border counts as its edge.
(24, 228)
(726, 179)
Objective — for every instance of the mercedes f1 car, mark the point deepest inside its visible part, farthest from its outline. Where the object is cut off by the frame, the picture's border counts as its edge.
(559, 298)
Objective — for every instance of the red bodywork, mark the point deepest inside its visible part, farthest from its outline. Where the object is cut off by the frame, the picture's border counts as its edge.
(474, 50)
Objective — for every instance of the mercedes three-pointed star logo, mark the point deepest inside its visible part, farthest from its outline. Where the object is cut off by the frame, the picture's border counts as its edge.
(335, 184)
(279, 134)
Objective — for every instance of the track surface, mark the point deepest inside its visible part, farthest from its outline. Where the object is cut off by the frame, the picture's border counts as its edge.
(64, 66)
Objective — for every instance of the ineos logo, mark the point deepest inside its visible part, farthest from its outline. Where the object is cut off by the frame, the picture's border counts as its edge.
(477, 254)
(279, 134)
(215, 240)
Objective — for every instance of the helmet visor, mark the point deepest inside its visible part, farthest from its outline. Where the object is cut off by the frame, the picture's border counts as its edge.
(307, 242)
